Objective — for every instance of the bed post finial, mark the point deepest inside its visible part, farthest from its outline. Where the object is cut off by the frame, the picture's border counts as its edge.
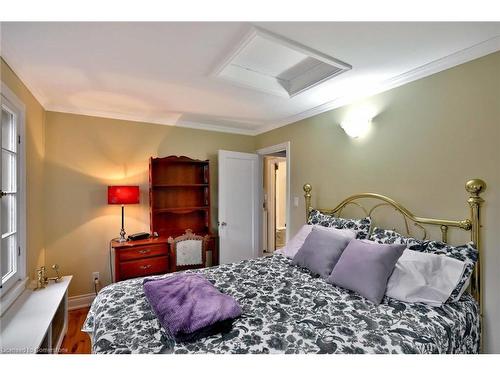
(475, 187)
(307, 190)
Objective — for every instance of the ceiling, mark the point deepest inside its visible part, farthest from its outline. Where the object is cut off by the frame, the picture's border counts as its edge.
(166, 72)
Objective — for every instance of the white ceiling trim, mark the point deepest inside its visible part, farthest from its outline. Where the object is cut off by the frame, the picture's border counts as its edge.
(42, 99)
(214, 128)
(156, 121)
(474, 52)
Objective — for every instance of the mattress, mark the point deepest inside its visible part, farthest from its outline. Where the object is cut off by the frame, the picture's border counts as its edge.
(286, 310)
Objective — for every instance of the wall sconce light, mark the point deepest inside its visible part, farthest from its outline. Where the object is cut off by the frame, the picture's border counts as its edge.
(355, 128)
(357, 124)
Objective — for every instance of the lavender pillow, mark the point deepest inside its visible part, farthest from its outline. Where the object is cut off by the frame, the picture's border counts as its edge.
(293, 246)
(321, 251)
(365, 267)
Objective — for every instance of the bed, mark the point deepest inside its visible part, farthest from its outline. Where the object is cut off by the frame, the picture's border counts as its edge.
(288, 310)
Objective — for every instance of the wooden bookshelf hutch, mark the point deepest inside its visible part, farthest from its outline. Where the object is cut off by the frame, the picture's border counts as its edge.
(179, 198)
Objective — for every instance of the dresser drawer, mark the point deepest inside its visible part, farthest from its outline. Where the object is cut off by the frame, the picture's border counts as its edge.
(143, 267)
(140, 252)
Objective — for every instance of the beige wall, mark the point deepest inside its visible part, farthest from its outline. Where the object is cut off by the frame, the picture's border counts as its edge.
(428, 138)
(86, 154)
(35, 150)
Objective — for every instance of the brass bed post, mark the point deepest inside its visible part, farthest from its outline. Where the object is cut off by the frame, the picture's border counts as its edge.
(474, 188)
(307, 190)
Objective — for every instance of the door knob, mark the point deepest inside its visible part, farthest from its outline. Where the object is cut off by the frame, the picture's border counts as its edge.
(223, 224)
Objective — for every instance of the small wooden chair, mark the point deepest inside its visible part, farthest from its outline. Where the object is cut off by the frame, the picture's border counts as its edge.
(188, 251)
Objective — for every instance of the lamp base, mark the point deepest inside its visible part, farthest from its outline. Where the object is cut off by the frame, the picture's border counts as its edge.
(122, 236)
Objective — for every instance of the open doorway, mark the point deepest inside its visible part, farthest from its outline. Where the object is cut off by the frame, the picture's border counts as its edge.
(275, 197)
(274, 207)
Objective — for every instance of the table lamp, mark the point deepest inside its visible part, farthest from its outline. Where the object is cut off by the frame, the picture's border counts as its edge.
(123, 195)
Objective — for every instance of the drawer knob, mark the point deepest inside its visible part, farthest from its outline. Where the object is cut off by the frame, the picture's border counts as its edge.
(145, 267)
(144, 251)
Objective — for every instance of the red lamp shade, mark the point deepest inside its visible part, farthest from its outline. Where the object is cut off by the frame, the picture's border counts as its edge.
(123, 194)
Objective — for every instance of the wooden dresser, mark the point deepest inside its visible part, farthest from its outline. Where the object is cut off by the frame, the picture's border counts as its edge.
(147, 257)
(140, 258)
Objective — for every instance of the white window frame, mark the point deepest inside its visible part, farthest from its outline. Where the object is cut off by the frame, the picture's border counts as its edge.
(14, 104)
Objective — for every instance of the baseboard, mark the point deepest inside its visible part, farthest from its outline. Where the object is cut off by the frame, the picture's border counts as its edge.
(78, 302)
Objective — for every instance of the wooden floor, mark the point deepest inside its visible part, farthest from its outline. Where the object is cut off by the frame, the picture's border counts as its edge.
(76, 341)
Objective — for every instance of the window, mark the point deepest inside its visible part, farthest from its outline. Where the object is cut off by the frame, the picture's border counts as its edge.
(12, 214)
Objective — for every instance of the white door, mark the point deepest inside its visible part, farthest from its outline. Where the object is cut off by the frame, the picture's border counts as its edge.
(239, 178)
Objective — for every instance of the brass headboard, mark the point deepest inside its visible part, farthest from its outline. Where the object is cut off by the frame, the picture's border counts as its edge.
(473, 224)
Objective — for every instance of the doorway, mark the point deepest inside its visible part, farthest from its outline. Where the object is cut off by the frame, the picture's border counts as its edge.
(275, 197)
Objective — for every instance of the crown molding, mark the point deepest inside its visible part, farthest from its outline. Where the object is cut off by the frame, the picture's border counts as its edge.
(37, 94)
(215, 128)
(151, 120)
(468, 54)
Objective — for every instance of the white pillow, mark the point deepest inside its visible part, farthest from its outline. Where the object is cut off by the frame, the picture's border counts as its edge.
(424, 277)
(297, 241)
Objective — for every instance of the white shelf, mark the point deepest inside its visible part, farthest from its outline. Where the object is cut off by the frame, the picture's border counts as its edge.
(28, 322)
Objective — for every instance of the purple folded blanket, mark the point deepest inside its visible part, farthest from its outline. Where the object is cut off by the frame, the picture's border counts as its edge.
(189, 306)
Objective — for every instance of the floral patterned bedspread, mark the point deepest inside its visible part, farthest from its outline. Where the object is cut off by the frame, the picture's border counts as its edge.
(286, 310)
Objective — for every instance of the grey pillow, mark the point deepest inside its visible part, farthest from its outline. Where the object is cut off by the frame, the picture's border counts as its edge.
(321, 251)
(365, 267)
